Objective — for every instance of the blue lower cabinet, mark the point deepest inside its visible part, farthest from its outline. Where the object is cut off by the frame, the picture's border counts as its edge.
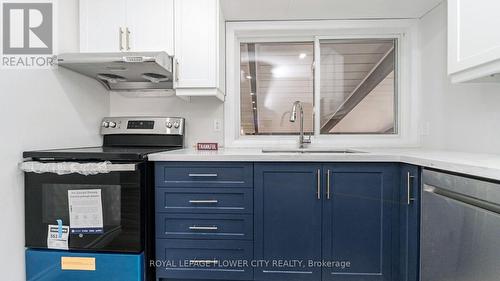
(288, 200)
(361, 222)
(47, 265)
(310, 222)
(410, 222)
(204, 259)
(332, 222)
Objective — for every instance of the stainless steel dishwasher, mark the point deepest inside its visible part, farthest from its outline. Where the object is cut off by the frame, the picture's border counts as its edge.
(460, 239)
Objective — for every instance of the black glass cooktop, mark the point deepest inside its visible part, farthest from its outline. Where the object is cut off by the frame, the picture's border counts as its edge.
(97, 153)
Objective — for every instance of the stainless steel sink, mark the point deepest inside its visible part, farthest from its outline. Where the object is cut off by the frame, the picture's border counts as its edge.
(306, 150)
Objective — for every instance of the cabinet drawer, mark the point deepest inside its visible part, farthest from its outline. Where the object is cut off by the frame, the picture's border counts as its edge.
(204, 259)
(204, 200)
(188, 174)
(204, 226)
(79, 266)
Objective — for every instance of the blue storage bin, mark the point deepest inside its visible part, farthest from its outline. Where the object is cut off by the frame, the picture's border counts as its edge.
(47, 265)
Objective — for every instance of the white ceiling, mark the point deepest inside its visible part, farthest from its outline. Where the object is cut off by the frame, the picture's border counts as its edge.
(324, 9)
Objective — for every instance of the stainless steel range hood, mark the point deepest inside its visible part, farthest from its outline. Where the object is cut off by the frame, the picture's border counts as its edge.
(123, 71)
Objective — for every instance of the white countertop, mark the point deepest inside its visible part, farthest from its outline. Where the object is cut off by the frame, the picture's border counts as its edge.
(480, 165)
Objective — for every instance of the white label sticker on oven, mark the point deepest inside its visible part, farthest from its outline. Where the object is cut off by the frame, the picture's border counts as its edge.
(57, 237)
(85, 211)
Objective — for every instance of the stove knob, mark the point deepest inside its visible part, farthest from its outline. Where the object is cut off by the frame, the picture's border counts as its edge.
(176, 125)
(112, 124)
(105, 124)
(169, 125)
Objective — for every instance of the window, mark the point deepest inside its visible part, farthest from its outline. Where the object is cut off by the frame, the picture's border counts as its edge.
(355, 79)
(358, 87)
(273, 76)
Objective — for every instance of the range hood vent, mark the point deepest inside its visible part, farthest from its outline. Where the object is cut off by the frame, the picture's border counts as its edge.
(143, 71)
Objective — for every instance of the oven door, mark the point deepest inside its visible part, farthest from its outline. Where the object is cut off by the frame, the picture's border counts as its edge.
(101, 212)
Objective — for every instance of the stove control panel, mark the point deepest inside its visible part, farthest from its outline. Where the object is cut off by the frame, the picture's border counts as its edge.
(142, 125)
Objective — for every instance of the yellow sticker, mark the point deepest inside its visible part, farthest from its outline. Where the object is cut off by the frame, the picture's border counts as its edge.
(76, 263)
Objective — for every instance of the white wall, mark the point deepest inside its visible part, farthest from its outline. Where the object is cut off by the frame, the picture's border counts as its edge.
(463, 117)
(200, 113)
(41, 109)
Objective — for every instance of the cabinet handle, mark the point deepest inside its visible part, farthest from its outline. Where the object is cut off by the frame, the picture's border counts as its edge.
(203, 201)
(409, 179)
(127, 38)
(328, 184)
(194, 227)
(203, 175)
(120, 35)
(318, 178)
(176, 70)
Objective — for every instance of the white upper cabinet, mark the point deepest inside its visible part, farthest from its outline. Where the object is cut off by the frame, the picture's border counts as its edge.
(151, 25)
(101, 25)
(199, 48)
(473, 40)
(191, 30)
(126, 26)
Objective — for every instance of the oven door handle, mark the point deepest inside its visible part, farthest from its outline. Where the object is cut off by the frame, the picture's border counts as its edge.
(65, 168)
(122, 167)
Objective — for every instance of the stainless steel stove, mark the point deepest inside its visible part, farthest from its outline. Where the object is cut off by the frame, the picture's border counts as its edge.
(116, 177)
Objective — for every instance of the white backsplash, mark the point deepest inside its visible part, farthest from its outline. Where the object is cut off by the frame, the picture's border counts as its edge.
(200, 113)
(461, 117)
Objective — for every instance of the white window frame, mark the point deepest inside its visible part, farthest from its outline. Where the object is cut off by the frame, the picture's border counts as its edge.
(405, 30)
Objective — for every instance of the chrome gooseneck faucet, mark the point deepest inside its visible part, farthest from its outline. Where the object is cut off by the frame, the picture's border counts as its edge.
(293, 117)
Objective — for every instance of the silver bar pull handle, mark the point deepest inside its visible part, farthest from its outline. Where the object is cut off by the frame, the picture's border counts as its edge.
(203, 175)
(409, 180)
(203, 201)
(127, 38)
(318, 188)
(195, 227)
(328, 184)
(120, 38)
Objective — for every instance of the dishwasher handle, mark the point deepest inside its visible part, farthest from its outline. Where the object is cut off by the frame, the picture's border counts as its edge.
(464, 199)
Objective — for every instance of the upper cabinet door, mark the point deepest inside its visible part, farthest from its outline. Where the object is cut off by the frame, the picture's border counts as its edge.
(360, 219)
(127, 26)
(473, 40)
(196, 42)
(287, 216)
(151, 25)
(102, 25)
